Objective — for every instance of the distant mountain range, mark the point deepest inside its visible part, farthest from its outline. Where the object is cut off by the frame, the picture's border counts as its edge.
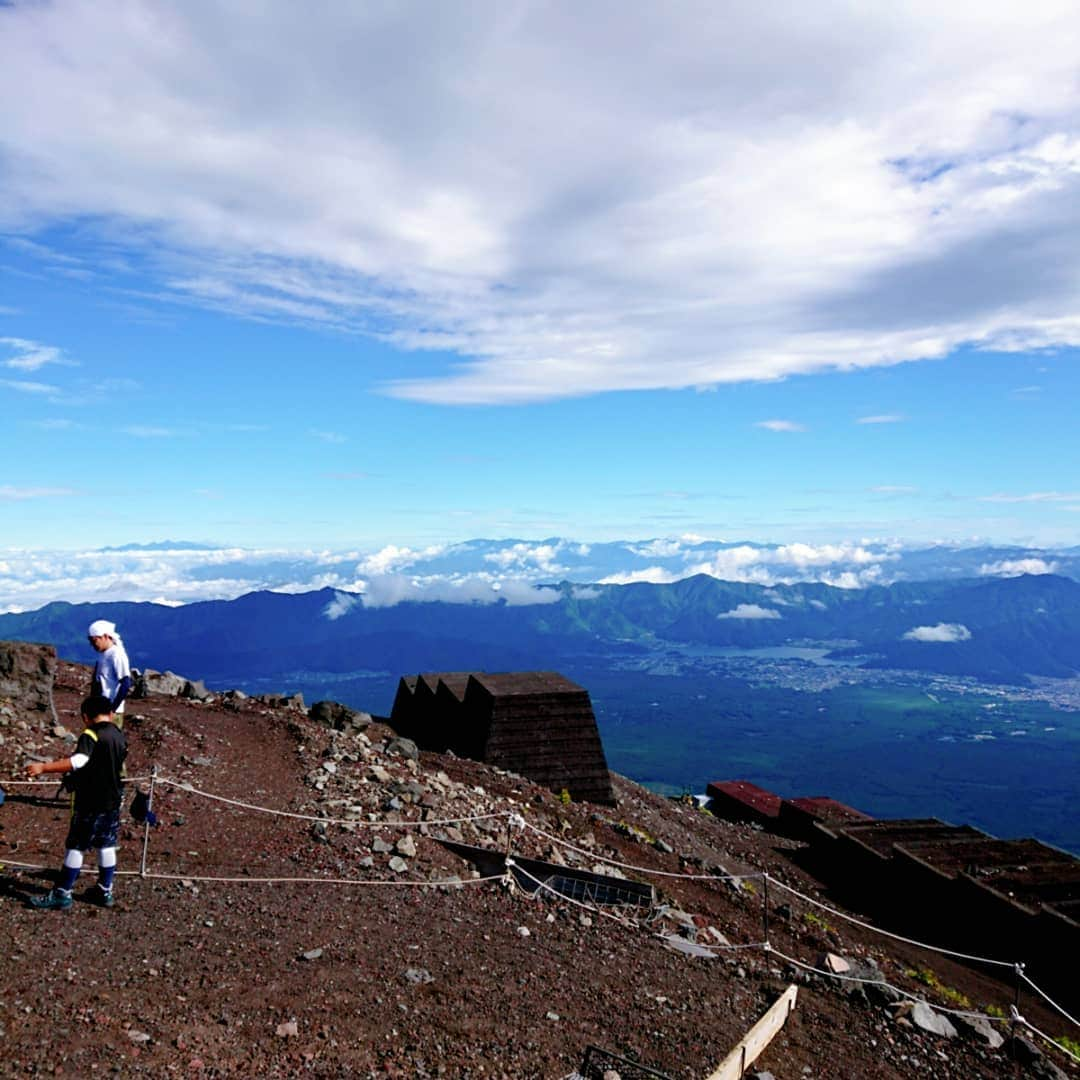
(994, 629)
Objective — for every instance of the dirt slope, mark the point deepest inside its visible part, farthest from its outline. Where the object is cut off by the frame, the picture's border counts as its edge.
(211, 978)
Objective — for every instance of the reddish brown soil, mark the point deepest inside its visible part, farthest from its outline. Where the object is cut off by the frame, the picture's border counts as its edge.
(189, 977)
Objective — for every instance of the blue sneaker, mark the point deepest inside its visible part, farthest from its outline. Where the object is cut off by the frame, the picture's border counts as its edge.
(100, 896)
(54, 900)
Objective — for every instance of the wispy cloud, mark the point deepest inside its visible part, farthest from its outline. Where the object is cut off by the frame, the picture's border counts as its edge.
(150, 431)
(25, 387)
(20, 494)
(765, 220)
(882, 418)
(329, 437)
(31, 355)
(780, 425)
(1033, 497)
(894, 489)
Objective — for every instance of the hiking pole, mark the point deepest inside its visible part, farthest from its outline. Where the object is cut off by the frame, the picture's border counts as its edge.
(146, 823)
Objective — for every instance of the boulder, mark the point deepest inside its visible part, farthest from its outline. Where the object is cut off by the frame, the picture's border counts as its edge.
(333, 714)
(150, 683)
(27, 673)
(405, 747)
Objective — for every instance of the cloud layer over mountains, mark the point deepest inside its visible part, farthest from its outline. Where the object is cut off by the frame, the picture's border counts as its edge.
(485, 571)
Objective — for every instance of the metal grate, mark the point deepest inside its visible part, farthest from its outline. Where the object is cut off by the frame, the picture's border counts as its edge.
(598, 1061)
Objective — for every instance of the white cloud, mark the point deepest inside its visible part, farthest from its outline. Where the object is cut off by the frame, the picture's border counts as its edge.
(393, 557)
(883, 418)
(395, 589)
(808, 187)
(522, 555)
(651, 575)
(149, 431)
(1015, 567)
(780, 425)
(941, 633)
(329, 436)
(8, 493)
(1034, 497)
(31, 355)
(657, 548)
(342, 604)
(750, 611)
(27, 387)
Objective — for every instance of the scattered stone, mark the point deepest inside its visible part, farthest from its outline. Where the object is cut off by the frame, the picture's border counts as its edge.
(662, 846)
(418, 976)
(288, 1029)
(980, 1029)
(524, 931)
(312, 954)
(924, 1017)
(406, 846)
(403, 748)
(140, 1038)
(398, 865)
(379, 774)
(831, 962)
(381, 846)
(551, 1016)
(330, 767)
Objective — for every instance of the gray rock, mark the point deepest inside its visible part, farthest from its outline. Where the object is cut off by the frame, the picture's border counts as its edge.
(404, 748)
(196, 689)
(150, 683)
(980, 1029)
(398, 865)
(27, 673)
(339, 717)
(924, 1017)
(880, 993)
(406, 846)
(661, 845)
(312, 954)
(380, 846)
(418, 976)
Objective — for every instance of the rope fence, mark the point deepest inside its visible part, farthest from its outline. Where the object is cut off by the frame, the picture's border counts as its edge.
(515, 820)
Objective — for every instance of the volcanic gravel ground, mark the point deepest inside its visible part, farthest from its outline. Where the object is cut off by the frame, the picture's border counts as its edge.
(473, 980)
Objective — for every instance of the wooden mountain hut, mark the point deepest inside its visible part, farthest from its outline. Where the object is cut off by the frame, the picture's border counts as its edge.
(539, 724)
(536, 723)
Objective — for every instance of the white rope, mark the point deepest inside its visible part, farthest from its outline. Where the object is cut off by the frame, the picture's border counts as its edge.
(33, 783)
(887, 933)
(640, 869)
(450, 882)
(1053, 1042)
(875, 982)
(352, 882)
(1043, 994)
(380, 824)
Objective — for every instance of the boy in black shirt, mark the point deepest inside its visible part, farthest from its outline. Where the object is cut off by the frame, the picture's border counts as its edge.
(95, 817)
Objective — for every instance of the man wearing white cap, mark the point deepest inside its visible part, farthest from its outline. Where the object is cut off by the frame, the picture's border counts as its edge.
(112, 672)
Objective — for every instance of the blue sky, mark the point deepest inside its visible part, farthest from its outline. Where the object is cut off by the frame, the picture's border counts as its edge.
(377, 277)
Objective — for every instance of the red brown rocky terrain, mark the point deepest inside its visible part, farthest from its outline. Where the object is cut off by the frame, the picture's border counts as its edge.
(366, 968)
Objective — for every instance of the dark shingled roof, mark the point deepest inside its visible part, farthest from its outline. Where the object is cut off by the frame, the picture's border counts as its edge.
(744, 799)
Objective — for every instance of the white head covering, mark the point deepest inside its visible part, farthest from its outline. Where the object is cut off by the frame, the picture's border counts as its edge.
(103, 628)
